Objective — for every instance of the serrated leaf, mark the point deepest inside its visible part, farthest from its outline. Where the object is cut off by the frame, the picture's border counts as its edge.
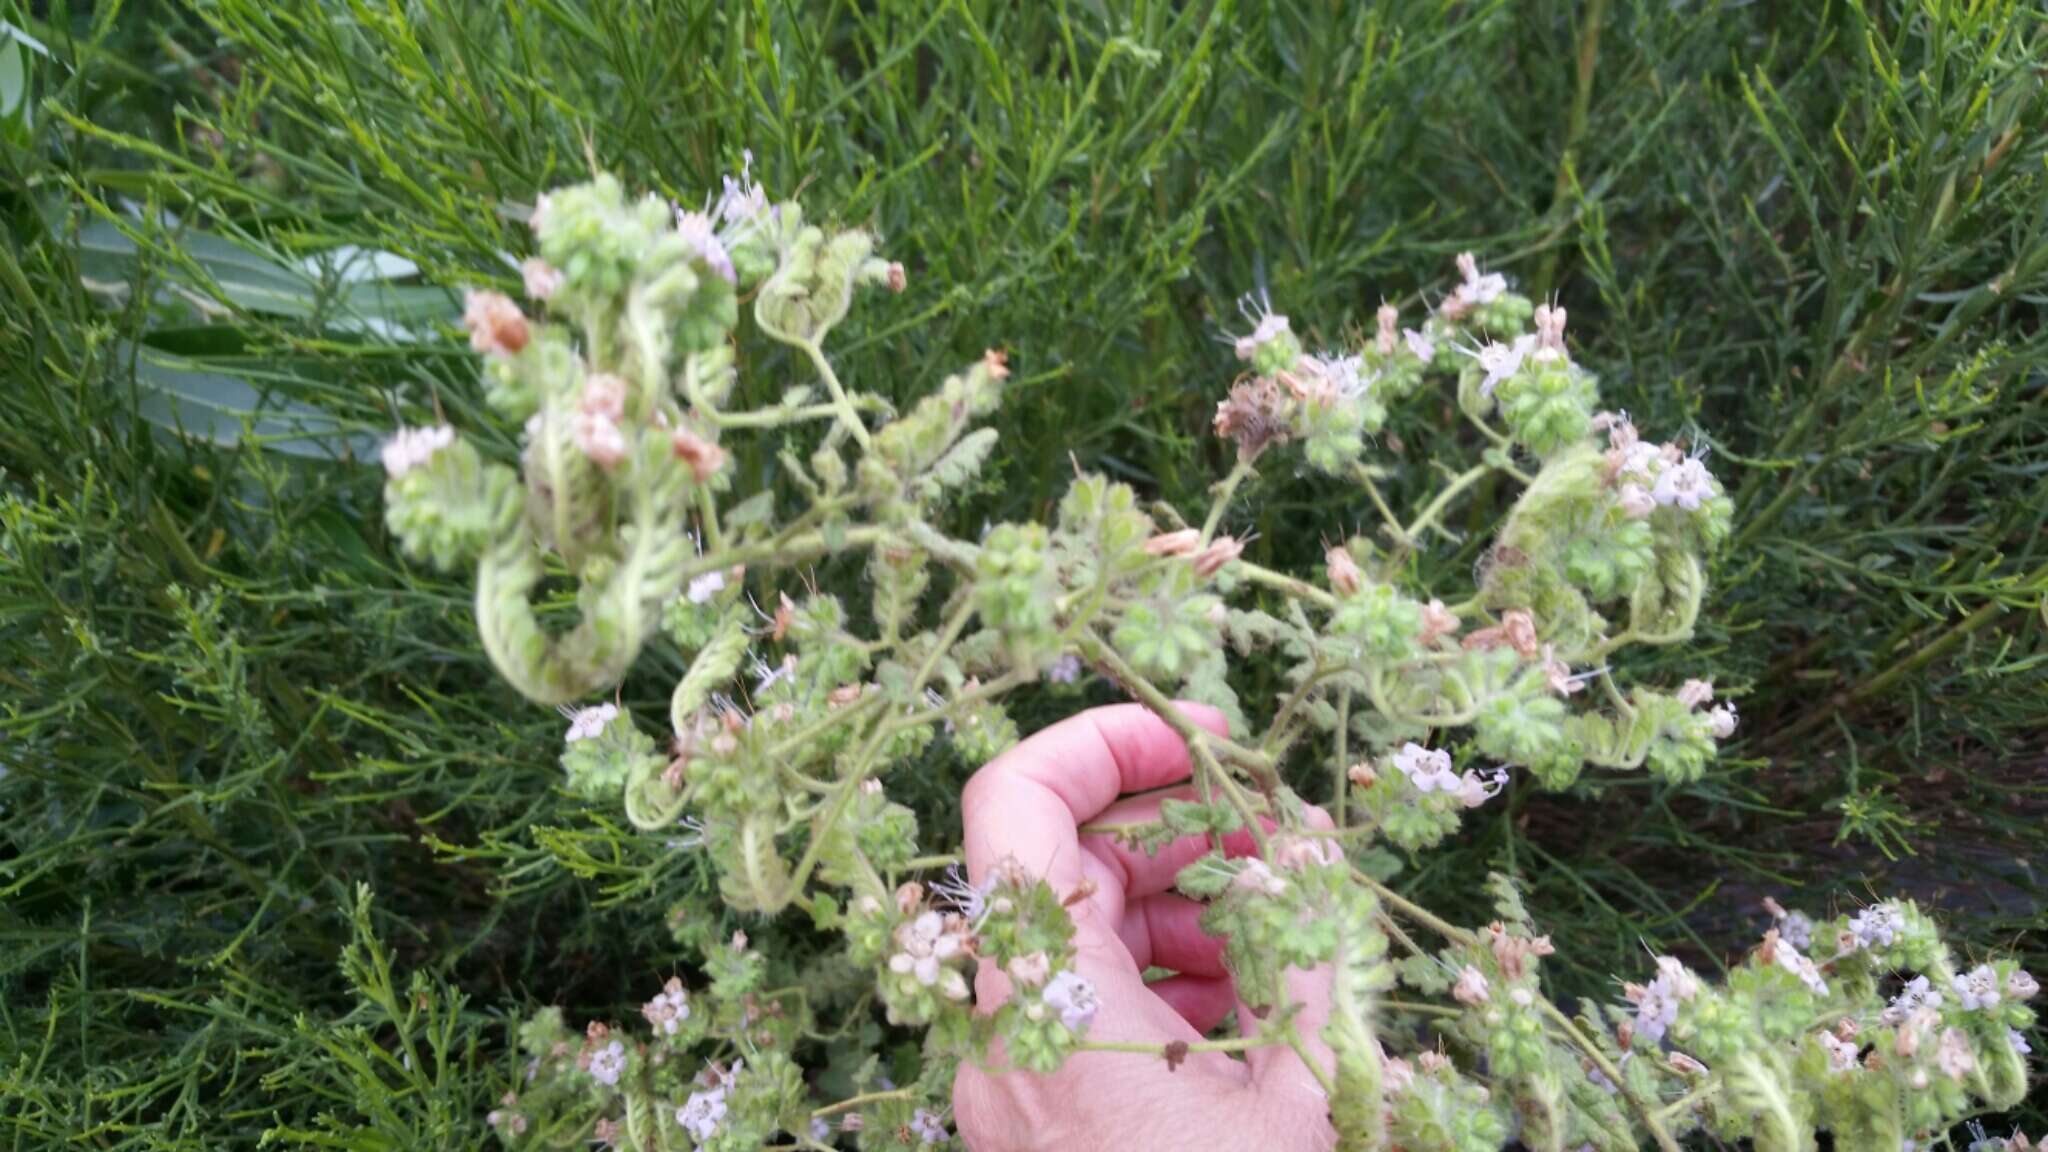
(961, 463)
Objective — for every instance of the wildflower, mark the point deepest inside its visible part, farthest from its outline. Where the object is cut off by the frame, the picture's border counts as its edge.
(1396, 1074)
(704, 587)
(973, 900)
(701, 1115)
(1621, 431)
(2021, 985)
(1478, 289)
(1362, 774)
(1559, 673)
(1471, 987)
(1684, 484)
(1294, 853)
(1219, 554)
(1339, 377)
(585, 723)
(1795, 926)
(766, 677)
(542, 280)
(667, 1011)
(1977, 989)
(496, 325)
(2018, 1042)
(513, 1122)
(1252, 416)
(604, 394)
(1781, 952)
(1694, 693)
(699, 232)
(1635, 501)
(412, 447)
(1420, 344)
(744, 201)
(1073, 997)
(1953, 1055)
(1256, 877)
(1917, 994)
(923, 946)
(1388, 318)
(1657, 1005)
(599, 438)
(1474, 789)
(1875, 926)
(608, 1062)
(1030, 971)
(1065, 669)
(1721, 722)
(703, 456)
(928, 1128)
(1428, 769)
(1500, 361)
(1437, 623)
(1841, 1053)
(1513, 953)
(1267, 326)
(1520, 629)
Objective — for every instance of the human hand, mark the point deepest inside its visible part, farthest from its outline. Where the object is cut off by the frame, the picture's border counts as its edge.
(1029, 804)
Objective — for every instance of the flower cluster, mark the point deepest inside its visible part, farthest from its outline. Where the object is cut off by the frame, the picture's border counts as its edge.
(799, 710)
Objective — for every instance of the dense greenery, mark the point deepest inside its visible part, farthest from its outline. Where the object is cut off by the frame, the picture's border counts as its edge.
(1820, 231)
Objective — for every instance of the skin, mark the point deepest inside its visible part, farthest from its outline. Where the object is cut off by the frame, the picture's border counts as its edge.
(1028, 804)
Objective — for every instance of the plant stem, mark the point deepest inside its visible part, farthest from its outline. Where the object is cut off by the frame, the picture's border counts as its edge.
(849, 416)
(853, 1102)
(1636, 1103)
(1284, 584)
(1224, 491)
(1428, 515)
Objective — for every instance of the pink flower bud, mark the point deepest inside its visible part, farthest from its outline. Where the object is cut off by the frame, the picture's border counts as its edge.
(542, 280)
(1345, 576)
(1174, 543)
(1221, 551)
(604, 394)
(496, 325)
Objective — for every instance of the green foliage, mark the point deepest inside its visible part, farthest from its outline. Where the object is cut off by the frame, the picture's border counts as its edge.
(1817, 230)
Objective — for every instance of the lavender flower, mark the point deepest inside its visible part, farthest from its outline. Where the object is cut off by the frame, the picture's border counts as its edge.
(1073, 997)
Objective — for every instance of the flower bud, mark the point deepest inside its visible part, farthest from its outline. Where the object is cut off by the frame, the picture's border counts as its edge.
(542, 280)
(703, 456)
(496, 325)
(1345, 575)
(1179, 543)
(604, 394)
(1221, 552)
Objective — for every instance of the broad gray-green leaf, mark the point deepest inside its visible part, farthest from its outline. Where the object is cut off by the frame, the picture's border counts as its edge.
(192, 399)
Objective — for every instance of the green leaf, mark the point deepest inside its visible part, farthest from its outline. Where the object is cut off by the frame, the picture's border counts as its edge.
(188, 399)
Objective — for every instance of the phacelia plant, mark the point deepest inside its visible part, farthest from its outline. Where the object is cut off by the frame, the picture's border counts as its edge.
(799, 703)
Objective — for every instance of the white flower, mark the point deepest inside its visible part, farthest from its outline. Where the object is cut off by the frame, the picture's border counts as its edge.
(2021, 985)
(542, 280)
(1500, 361)
(608, 1062)
(1343, 374)
(1721, 721)
(598, 437)
(704, 587)
(667, 1011)
(1073, 997)
(1694, 693)
(1841, 1053)
(1785, 956)
(1267, 325)
(1471, 987)
(703, 1113)
(972, 899)
(744, 201)
(1478, 289)
(1635, 501)
(1475, 789)
(1875, 926)
(586, 723)
(1256, 877)
(1657, 1005)
(412, 447)
(698, 231)
(1797, 929)
(1064, 670)
(1420, 344)
(928, 1128)
(923, 947)
(1954, 1055)
(1428, 769)
(1684, 484)
(1977, 989)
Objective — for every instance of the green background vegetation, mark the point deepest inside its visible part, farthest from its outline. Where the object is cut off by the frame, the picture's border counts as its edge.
(1812, 235)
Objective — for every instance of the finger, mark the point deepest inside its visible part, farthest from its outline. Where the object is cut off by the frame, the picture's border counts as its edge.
(1147, 873)
(1203, 1001)
(1027, 802)
(1165, 931)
